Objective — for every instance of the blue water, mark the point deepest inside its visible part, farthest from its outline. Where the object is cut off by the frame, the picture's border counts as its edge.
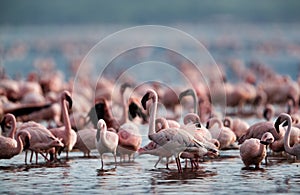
(223, 41)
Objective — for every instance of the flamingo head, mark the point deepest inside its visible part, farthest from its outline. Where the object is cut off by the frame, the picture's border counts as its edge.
(101, 124)
(145, 98)
(267, 138)
(282, 119)
(124, 86)
(67, 96)
(186, 93)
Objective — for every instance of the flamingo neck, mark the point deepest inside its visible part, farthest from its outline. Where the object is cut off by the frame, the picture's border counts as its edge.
(163, 122)
(287, 134)
(124, 119)
(13, 128)
(262, 148)
(103, 133)
(216, 120)
(153, 110)
(227, 122)
(66, 118)
(195, 103)
(19, 147)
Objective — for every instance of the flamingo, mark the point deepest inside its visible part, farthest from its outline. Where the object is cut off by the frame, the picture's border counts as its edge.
(86, 141)
(9, 146)
(155, 149)
(295, 149)
(253, 150)
(41, 139)
(65, 132)
(237, 125)
(106, 141)
(258, 129)
(192, 93)
(224, 135)
(172, 139)
(101, 110)
(269, 112)
(130, 138)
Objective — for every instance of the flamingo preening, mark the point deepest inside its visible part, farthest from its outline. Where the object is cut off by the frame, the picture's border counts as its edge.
(9, 146)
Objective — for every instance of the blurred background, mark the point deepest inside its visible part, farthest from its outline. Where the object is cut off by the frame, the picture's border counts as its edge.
(59, 33)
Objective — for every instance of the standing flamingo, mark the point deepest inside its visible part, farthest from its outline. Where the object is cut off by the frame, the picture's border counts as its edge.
(155, 149)
(106, 141)
(86, 141)
(9, 146)
(253, 150)
(172, 139)
(130, 138)
(292, 150)
(65, 132)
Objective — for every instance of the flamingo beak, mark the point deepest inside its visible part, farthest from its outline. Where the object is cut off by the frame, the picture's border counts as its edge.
(144, 100)
(267, 141)
(277, 123)
(69, 99)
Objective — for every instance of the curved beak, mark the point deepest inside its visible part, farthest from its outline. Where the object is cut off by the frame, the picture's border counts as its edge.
(144, 100)
(70, 101)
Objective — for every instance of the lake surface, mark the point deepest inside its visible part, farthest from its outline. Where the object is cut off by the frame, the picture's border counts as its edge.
(276, 45)
(223, 175)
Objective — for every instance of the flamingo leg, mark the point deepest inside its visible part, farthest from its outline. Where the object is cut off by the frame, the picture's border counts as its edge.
(159, 159)
(115, 156)
(178, 164)
(167, 164)
(36, 157)
(44, 156)
(101, 156)
(266, 158)
(31, 157)
(26, 157)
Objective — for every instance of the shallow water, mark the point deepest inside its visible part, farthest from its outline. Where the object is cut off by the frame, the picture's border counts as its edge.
(223, 175)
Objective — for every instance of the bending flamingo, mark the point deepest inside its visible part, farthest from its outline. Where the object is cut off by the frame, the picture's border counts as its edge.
(253, 150)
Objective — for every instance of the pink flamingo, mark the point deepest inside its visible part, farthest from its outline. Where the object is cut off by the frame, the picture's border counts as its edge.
(172, 139)
(253, 150)
(86, 141)
(258, 129)
(295, 149)
(41, 139)
(224, 135)
(130, 138)
(237, 125)
(65, 132)
(9, 146)
(155, 149)
(106, 141)
(192, 93)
